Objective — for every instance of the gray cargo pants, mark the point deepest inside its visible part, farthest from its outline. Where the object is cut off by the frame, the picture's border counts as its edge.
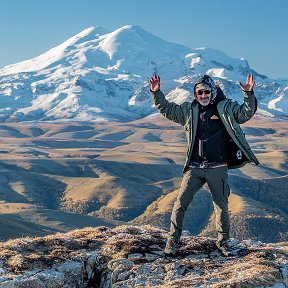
(193, 180)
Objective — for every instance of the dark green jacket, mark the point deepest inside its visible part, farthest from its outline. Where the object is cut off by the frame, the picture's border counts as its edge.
(231, 113)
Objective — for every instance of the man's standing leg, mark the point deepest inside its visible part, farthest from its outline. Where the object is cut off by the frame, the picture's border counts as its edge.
(217, 179)
(192, 181)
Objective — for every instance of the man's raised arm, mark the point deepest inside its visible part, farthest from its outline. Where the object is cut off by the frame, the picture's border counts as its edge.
(170, 110)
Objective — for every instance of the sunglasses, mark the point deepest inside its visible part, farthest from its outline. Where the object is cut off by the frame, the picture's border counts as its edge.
(200, 92)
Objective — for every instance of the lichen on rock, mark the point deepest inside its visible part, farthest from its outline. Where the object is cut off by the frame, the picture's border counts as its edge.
(132, 256)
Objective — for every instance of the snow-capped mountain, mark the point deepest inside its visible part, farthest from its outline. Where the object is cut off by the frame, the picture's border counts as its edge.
(101, 75)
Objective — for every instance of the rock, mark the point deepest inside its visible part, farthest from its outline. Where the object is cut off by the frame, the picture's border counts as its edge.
(151, 257)
(135, 256)
(132, 256)
(160, 253)
(120, 263)
(124, 276)
(284, 273)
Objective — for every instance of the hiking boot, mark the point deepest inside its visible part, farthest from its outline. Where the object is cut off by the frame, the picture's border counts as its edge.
(171, 246)
(232, 247)
(223, 247)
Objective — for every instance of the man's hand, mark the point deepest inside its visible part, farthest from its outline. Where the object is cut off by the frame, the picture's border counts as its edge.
(249, 83)
(155, 83)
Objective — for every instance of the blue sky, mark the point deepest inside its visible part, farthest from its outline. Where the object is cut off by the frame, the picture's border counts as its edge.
(253, 29)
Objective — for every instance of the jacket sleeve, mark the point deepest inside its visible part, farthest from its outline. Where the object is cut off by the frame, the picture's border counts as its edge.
(170, 110)
(245, 112)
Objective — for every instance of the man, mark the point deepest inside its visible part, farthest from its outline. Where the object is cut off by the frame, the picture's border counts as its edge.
(216, 143)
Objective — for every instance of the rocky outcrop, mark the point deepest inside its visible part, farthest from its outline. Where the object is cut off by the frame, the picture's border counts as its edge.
(131, 256)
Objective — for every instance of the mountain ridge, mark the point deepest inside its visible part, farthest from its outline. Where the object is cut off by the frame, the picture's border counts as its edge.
(98, 75)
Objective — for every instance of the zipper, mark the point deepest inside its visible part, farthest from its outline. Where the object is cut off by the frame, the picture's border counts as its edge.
(228, 119)
(190, 125)
(189, 148)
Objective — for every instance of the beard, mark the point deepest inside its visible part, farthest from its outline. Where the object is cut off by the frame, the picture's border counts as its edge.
(204, 101)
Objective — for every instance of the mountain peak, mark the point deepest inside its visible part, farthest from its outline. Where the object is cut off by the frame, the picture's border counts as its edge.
(90, 33)
(129, 40)
(130, 27)
(79, 77)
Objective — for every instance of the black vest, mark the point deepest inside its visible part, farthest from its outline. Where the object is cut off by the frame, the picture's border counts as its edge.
(211, 142)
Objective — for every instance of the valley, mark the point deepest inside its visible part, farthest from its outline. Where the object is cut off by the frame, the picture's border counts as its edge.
(68, 175)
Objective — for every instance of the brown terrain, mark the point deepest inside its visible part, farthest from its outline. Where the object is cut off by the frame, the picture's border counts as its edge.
(132, 256)
(56, 177)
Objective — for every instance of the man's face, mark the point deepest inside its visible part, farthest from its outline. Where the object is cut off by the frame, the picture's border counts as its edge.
(203, 94)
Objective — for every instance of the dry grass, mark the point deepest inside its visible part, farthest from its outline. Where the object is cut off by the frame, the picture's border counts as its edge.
(115, 171)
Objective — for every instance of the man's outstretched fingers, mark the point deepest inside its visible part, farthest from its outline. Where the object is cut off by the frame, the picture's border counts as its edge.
(241, 85)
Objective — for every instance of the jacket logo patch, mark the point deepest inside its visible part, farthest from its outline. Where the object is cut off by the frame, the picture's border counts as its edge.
(214, 117)
(239, 154)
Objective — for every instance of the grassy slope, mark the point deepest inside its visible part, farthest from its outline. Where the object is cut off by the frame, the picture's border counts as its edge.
(126, 171)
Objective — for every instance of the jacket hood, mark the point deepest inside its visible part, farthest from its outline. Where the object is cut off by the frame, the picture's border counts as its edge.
(219, 96)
